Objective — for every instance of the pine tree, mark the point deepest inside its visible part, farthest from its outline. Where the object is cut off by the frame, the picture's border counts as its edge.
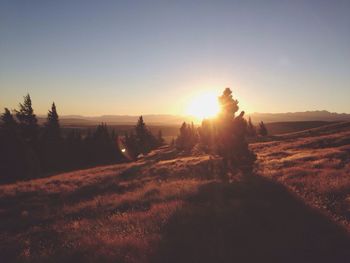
(251, 130)
(141, 136)
(262, 129)
(27, 121)
(131, 145)
(52, 125)
(230, 132)
(102, 144)
(9, 123)
(181, 140)
(187, 138)
(18, 160)
(229, 106)
(144, 138)
(51, 148)
(207, 135)
(74, 153)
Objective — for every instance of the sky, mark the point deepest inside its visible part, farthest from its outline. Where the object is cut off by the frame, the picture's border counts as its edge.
(153, 57)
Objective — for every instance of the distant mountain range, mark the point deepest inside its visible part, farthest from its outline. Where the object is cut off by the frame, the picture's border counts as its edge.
(153, 119)
(300, 116)
(161, 119)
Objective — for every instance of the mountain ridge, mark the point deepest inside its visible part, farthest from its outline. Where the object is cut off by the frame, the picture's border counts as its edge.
(319, 115)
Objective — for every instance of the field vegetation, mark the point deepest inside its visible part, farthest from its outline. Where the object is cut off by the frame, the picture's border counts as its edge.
(174, 207)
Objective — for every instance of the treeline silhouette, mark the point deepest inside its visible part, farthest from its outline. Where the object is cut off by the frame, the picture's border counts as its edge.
(225, 135)
(28, 150)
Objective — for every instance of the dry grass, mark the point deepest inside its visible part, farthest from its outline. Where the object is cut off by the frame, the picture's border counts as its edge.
(315, 164)
(171, 208)
(106, 214)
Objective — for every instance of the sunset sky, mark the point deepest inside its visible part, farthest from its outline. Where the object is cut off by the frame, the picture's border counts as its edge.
(143, 57)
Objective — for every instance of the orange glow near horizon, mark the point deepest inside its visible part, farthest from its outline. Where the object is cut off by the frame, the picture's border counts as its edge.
(205, 105)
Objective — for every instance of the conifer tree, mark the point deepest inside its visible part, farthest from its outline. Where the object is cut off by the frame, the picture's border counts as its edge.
(11, 149)
(181, 140)
(187, 138)
(251, 130)
(9, 123)
(229, 133)
(144, 138)
(74, 152)
(262, 129)
(52, 124)
(50, 143)
(141, 136)
(229, 106)
(28, 122)
(131, 145)
(18, 160)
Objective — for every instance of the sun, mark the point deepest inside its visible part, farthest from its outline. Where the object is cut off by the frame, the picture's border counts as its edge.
(205, 105)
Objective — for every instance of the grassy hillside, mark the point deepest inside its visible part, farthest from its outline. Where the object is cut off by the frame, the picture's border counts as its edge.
(315, 164)
(170, 207)
(276, 128)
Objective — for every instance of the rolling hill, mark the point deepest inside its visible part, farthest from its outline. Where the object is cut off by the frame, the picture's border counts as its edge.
(172, 207)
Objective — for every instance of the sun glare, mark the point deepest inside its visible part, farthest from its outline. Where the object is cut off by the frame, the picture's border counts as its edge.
(204, 106)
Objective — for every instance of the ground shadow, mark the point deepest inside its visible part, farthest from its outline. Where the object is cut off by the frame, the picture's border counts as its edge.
(254, 220)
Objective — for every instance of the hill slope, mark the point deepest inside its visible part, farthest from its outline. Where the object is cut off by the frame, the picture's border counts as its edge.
(314, 163)
(170, 207)
(300, 116)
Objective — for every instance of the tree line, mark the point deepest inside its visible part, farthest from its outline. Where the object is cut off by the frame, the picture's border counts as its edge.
(29, 150)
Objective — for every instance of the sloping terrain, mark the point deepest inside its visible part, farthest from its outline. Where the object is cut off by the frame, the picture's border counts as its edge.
(315, 164)
(170, 207)
(97, 215)
(275, 128)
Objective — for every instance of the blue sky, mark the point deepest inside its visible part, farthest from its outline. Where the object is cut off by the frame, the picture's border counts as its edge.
(142, 57)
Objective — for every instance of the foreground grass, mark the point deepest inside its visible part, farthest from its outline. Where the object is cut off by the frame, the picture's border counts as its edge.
(315, 164)
(106, 214)
(168, 208)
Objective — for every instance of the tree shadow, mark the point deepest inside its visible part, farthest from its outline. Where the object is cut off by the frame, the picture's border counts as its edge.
(254, 220)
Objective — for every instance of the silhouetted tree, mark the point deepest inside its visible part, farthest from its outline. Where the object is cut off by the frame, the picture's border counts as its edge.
(74, 152)
(144, 138)
(141, 136)
(26, 149)
(226, 135)
(52, 124)
(131, 145)
(51, 147)
(251, 130)
(187, 138)
(207, 135)
(18, 160)
(28, 122)
(101, 144)
(9, 123)
(9, 148)
(262, 129)
(229, 106)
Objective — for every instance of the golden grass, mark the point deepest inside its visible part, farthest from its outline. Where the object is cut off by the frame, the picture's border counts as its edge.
(166, 209)
(105, 214)
(315, 164)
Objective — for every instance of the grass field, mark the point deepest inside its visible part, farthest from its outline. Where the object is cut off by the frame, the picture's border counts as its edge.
(169, 207)
(313, 163)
